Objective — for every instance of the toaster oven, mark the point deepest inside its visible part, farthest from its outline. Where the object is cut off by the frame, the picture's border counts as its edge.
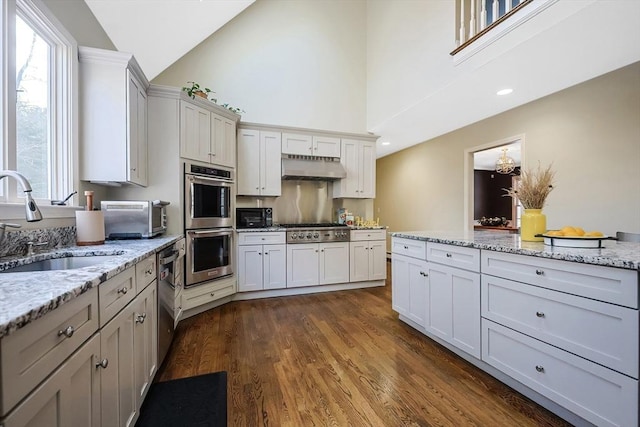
(134, 219)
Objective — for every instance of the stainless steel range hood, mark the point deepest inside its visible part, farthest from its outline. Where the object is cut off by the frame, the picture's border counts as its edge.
(312, 168)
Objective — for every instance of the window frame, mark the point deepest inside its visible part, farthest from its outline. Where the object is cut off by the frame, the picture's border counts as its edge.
(64, 105)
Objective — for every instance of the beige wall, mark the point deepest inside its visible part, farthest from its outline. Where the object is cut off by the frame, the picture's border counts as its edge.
(290, 63)
(78, 19)
(591, 133)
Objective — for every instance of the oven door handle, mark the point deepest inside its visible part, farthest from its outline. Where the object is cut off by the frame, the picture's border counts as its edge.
(168, 260)
(204, 180)
(222, 231)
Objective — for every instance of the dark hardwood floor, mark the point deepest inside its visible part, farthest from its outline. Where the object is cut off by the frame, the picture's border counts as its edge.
(339, 359)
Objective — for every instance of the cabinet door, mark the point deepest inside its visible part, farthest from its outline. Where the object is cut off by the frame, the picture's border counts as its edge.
(250, 272)
(118, 396)
(271, 164)
(195, 132)
(377, 260)
(334, 263)
(359, 261)
(216, 152)
(229, 145)
(137, 131)
(326, 146)
(453, 307)
(275, 266)
(409, 287)
(69, 397)
(367, 170)
(348, 187)
(249, 164)
(145, 336)
(302, 265)
(293, 143)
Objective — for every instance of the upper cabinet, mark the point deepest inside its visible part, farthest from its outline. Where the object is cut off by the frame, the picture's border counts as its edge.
(259, 164)
(113, 111)
(310, 145)
(359, 160)
(207, 136)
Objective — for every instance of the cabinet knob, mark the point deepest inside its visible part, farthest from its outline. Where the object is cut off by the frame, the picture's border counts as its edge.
(539, 368)
(122, 291)
(266, 253)
(259, 253)
(406, 247)
(448, 255)
(149, 271)
(540, 272)
(257, 188)
(133, 169)
(263, 188)
(213, 294)
(102, 364)
(140, 317)
(67, 332)
(539, 314)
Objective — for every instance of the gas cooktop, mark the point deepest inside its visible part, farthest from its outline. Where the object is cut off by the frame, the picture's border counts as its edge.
(316, 232)
(312, 225)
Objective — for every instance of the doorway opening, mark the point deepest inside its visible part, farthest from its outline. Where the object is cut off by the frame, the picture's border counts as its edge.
(484, 187)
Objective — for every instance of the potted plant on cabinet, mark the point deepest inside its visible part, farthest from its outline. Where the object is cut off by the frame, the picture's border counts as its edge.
(195, 90)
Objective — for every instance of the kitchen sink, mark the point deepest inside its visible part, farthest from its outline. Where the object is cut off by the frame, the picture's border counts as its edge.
(66, 263)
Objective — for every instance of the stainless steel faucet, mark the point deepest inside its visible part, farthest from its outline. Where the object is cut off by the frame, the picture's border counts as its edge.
(31, 209)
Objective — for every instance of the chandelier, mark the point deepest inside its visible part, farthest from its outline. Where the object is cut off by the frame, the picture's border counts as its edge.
(505, 164)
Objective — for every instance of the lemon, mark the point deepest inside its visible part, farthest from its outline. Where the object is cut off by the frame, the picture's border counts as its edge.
(593, 234)
(569, 231)
(554, 233)
(579, 231)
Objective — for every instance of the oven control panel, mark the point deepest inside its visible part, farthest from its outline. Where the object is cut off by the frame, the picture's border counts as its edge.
(318, 235)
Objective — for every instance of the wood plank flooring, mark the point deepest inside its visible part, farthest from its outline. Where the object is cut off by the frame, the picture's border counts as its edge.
(339, 359)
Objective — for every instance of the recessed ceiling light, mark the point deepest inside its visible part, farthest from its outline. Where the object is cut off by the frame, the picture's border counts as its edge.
(504, 91)
(385, 143)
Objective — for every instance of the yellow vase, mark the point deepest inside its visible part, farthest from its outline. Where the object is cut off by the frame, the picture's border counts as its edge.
(532, 222)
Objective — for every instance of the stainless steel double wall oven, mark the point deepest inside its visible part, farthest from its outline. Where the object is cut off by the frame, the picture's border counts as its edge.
(208, 204)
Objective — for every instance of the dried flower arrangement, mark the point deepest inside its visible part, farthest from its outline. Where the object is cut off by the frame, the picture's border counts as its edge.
(534, 187)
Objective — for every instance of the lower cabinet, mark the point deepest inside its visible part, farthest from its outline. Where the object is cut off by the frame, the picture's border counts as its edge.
(453, 306)
(69, 397)
(145, 339)
(368, 255)
(310, 264)
(262, 261)
(409, 287)
(206, 293)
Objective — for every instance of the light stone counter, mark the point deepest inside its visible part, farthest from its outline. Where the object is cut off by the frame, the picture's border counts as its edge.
(26, 296)
(613, 254)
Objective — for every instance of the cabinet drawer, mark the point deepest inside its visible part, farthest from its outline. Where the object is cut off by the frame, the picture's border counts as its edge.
(145, 272)
(601, 332)
(31, 353)
(359, 235)
(454, 256)
(614, 285)
(261, 238)
(203, 294)
(116, 293)
(409, 247)
(598, 394)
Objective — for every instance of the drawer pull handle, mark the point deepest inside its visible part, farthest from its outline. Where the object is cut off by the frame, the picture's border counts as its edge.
(448, 255)
(103, 363)
(122, 291)
(539, 272)
(213, 294)
(149, 271)
(539, 314)
(140, 317)
(539, 368)
(422, 273)
(67, 332)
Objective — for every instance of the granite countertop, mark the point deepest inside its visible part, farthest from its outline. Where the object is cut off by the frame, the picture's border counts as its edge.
(260, 230)
(612, 254)
(27, 296)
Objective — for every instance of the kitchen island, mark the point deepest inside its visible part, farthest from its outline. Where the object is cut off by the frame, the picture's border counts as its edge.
(559, 325)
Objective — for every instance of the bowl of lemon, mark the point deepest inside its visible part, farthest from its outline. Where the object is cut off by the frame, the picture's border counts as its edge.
(574, 237)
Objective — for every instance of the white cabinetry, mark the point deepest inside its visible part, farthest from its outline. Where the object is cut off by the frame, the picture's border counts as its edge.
(262, 261)
(310, 264)
(113, 108)
(206, 136)
(206, 293)
(310, 145)
(359, 160)
(567, 330)
(368, 255)
(409, 279)
(259, 163)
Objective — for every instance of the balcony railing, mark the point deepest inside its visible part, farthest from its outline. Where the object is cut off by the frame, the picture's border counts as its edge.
(474, 18)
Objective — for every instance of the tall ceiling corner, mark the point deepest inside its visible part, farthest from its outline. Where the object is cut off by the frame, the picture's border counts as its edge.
(160, 32)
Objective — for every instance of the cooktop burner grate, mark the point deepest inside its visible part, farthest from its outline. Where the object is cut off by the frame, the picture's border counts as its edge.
(312, 225)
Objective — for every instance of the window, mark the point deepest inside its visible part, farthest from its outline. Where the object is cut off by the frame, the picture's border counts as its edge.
(39, 92)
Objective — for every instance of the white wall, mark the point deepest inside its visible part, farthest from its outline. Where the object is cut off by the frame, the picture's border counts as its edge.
(78, 19)
(290, 63)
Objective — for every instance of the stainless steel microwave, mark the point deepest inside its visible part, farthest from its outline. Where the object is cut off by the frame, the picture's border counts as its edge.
(254, 217)
(134, 219)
